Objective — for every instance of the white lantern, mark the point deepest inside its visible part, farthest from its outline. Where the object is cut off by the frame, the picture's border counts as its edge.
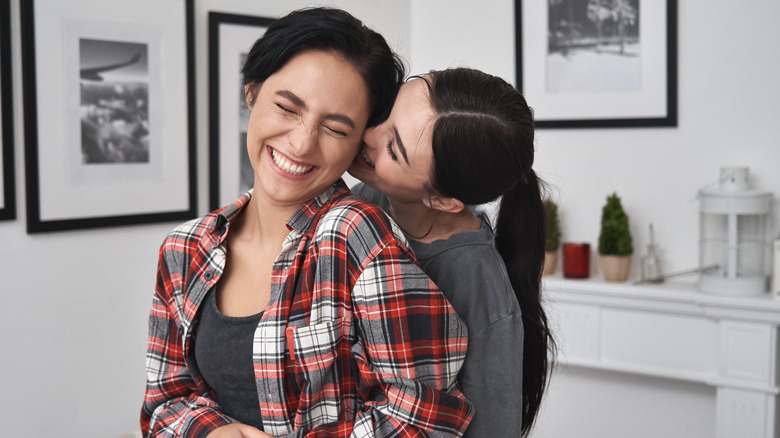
(735, 239)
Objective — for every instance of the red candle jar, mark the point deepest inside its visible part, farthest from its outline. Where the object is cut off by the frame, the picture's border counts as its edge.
(576, 260)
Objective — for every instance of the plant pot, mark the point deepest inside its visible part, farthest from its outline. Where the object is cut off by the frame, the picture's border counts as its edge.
(550, 262)
(615, 268)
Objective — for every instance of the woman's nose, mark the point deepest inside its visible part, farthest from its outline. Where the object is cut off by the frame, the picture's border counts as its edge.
(303, 139)
(370, 136)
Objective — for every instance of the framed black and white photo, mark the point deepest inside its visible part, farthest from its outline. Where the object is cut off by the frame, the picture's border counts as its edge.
(109, 109)
(230, 38)
(7, 186)
(598, 63)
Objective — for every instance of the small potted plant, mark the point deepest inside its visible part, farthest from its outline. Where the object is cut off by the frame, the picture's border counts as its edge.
(553, 241)
(615, 246)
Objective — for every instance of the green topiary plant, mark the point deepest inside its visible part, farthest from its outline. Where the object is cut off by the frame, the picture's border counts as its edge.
(553, 226)
(615, 237)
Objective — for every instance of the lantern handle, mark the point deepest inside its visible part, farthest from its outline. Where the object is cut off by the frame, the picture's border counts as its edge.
(661, 278)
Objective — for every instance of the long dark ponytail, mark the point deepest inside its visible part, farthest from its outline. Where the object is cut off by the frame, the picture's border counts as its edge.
(520, 240)
(483, 148)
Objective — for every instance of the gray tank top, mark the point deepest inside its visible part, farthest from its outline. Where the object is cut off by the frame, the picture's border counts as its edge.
(223, 352)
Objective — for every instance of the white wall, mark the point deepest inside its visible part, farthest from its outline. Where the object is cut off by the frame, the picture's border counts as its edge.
(728, 113)
(74, 308)
(463, 33)
(74, 304)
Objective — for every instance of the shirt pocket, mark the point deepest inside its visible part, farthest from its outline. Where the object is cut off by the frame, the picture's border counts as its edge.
(314, 351)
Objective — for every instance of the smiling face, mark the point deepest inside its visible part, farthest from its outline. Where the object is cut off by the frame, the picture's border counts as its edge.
(397, 155)
(305, 127)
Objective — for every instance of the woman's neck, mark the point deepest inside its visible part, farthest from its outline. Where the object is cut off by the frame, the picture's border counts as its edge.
(262, 222)
(425, 224)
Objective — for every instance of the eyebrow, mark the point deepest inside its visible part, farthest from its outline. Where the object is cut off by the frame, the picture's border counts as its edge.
(401, 146)
(292, 97)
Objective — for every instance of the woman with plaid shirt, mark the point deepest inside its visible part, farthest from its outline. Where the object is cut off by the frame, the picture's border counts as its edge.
(299, 310)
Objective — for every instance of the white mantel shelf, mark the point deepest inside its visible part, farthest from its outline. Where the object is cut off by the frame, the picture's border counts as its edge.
(671, 330)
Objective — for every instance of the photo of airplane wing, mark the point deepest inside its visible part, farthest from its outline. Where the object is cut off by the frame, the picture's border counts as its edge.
(93, 74)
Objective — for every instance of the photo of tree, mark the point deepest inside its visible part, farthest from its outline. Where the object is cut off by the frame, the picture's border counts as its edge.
(593, 46)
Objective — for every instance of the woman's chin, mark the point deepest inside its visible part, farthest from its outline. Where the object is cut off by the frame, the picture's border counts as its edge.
(360, 169)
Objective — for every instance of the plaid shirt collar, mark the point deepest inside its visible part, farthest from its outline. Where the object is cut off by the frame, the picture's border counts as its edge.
(299, 221)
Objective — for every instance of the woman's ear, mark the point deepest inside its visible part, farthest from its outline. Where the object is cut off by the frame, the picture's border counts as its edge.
(249, 94)
(441, 203)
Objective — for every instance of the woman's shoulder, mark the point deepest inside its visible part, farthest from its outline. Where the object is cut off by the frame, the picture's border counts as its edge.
(359, 222)
(477, 285)
(474, 256)
(210, 224)
(190, 232)
(370, 194)
(350, 212)
(471, 273)
(476, 244)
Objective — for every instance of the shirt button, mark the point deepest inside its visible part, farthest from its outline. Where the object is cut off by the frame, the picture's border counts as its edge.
(208, 275)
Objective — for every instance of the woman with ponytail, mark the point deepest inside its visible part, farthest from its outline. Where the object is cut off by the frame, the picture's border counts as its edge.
(454, 139)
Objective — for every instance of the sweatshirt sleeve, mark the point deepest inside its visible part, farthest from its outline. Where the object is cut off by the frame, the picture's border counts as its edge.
(494, 363)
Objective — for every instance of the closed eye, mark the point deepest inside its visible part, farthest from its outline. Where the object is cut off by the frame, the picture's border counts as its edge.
(390, 151)
(285, 109)
(336, 131)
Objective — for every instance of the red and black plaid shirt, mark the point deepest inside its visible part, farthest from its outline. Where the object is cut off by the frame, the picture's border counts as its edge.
(356, 340)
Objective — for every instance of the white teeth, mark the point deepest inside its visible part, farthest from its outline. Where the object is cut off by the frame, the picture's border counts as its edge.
(368, 160)
(289, 167)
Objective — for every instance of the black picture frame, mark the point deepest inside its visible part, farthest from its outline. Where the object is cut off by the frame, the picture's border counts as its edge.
(8, 192)
(546, 72)
(227, 145)
(69, 189)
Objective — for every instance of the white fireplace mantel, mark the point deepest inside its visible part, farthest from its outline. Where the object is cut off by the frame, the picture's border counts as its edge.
(673, 331)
